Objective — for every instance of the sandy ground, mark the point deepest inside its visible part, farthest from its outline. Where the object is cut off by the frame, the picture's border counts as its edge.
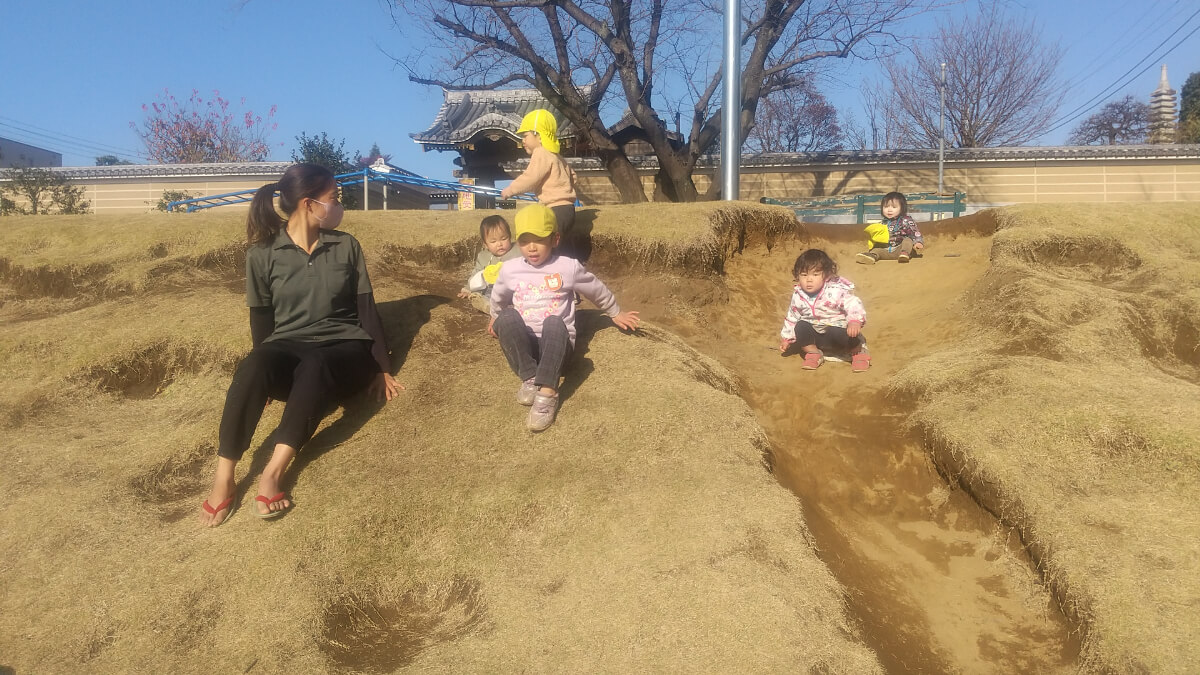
(434, 533)
(937, 584)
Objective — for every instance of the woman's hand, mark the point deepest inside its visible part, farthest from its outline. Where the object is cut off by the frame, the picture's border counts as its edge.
(385, 387)
(784, 343)
(853, 328)
(627, 320)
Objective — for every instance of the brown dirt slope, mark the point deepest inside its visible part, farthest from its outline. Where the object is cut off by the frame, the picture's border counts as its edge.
(434, 532)
(1072, 410)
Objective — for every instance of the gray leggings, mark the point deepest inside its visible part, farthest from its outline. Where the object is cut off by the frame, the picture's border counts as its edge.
(530, 356)
(882, 253)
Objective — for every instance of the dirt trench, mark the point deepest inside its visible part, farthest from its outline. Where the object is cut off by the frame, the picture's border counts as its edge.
(936, 583)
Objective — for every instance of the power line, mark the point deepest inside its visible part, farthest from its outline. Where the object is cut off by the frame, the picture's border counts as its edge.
(1127, 41)
(73, 143)
(1107, 91)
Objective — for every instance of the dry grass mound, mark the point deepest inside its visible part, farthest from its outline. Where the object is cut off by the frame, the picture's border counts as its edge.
(433, 533)
(1073, 412)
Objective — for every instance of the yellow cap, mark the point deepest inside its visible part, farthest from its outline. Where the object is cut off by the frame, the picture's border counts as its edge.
(542, 121)
(877, 233)
(535, 219)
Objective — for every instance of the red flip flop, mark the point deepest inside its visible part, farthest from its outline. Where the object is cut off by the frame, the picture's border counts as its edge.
(268, 503)
(227, 504)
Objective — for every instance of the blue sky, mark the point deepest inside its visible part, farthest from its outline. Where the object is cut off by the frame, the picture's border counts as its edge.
(77, 73)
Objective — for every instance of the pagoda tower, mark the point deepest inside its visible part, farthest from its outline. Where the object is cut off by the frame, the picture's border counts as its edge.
(1162, 111)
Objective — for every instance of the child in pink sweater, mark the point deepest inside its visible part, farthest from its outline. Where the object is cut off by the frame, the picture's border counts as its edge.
(533, 311)
(824, 314)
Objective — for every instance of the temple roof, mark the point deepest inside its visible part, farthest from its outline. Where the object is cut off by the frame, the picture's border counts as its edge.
(466, 114)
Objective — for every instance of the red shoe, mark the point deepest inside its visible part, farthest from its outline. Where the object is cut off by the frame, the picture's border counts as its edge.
(813, 360)
(860, 362)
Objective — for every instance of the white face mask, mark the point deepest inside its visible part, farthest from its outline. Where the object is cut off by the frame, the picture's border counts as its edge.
(333, 215)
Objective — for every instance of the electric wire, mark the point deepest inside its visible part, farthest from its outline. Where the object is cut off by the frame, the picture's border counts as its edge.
(67, 141)
(1118, 84)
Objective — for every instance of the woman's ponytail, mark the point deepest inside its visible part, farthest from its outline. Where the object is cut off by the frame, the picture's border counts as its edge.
(300, 181)
(264, 222)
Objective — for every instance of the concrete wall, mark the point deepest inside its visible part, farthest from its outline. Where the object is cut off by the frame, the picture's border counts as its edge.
(1001, 182)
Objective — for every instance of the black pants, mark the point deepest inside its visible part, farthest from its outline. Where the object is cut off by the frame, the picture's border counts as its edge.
(313, 377)
(834, 338)
(530, 356)
(573, 241)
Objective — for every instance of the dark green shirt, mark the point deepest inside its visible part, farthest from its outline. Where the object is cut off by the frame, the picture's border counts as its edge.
(314, 297)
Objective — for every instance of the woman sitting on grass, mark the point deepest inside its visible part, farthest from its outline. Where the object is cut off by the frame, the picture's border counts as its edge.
(317, 334)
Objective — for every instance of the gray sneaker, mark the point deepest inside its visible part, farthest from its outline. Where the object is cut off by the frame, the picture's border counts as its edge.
(541, 415)
(526, 393)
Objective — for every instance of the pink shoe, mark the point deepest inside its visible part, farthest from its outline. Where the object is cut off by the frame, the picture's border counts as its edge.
(860, 362)
(813, 360)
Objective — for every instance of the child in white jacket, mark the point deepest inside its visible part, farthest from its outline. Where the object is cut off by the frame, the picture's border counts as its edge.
(824, 314)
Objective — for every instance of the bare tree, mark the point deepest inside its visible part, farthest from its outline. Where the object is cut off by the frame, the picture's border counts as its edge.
(659, 53)
(1124, 121)
(1001, 83)
(799, 119)
(886, 127)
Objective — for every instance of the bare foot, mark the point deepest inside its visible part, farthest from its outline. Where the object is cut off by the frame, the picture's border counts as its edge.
(223, 489)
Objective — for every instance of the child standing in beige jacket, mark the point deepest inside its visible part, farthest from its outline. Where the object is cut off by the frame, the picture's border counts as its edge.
(549, 177)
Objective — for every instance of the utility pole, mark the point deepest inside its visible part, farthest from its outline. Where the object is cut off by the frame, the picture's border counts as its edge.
(942, 133)
(731, 146)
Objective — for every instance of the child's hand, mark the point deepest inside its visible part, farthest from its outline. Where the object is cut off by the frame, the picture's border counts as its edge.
(627, 320)
(464, 293)
(853, 328)
(784, 343)
(491, 329)
(918, 246)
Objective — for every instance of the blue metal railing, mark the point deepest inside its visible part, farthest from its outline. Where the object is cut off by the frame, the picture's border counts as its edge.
(368, 175)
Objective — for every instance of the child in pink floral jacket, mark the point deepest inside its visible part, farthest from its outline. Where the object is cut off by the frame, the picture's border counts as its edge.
(824, 314)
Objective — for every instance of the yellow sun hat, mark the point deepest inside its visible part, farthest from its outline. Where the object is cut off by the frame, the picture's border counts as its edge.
(541, 121)
(877, 233)
(535, 219)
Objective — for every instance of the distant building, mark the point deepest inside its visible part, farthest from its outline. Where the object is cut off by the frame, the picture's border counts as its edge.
(15, 154)
(481, 126)
(1162, 112)
(136, 188)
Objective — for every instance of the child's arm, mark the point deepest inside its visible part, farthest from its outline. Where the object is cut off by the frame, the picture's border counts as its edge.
(918, 240)
(587, 285)
(856, 314)
(481, 261)
(501, 297)
(532, 177)
(788, 334)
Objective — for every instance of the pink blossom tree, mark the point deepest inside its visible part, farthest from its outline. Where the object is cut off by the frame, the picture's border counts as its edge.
(200, 130)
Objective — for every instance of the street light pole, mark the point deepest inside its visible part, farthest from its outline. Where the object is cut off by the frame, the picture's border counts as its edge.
(942, 132)
(731, 147)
